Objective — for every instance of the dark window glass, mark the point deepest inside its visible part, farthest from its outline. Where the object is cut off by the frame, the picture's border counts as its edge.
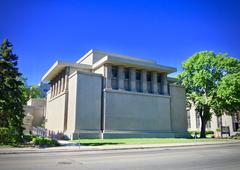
(126, 73)
(159, 78)
(138, 75)
(114, 71)
(148, 76)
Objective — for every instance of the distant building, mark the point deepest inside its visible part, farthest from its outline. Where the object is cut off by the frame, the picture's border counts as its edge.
(34, 114)
(113, 95)
(194, 122)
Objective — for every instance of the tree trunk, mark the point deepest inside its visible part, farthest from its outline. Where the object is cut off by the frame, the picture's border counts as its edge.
(203, 128)
(203, 122)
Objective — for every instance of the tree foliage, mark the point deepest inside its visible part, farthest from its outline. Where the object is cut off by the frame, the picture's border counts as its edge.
(11, 94)
(207, 78)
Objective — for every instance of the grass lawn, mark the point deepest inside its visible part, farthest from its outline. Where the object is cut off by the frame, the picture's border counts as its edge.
(116, 141)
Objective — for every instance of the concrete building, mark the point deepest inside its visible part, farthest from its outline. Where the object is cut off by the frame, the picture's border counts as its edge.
(34, 114)
(112, 95)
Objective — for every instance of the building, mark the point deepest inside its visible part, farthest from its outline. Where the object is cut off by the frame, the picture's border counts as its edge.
(34, 114)
(194, 122)
(112, 95)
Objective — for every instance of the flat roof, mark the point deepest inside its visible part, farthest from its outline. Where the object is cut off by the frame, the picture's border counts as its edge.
(130, 63)
(60, 65)
(104, 53)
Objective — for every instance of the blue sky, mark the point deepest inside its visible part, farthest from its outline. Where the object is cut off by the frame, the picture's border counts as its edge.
(168, 31)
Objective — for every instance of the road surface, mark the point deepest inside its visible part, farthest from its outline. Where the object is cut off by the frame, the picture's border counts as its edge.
(224, 156)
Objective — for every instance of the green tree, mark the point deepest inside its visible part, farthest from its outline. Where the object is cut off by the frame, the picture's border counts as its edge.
(206, 77)
(228, 94)
(34, 92)
(11, 94)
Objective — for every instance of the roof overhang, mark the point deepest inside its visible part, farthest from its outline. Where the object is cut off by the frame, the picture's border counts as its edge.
(58, 66)
(131, 63)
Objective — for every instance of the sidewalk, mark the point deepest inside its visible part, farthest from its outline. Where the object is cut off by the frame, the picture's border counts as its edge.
(70, 147)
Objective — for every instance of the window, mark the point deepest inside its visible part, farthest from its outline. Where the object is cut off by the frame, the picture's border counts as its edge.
(197, 120)
(208, 125)
(149, 79)
(126, 73)
(235, 123)
(219, 121)
(189, 118)
(114, 77)
(149, 76)
(138, 81)
(126, 78)
(159, 83)
(138, 75)
(114, 71)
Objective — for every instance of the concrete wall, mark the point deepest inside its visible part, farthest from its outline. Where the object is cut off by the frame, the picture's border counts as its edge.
(92, 58)
(178, 109)
(88, 114)
(100, 70)
(55, 112)
(128, 111)
(84, 109)
(88, 60)
(72, 103)
(37, 102)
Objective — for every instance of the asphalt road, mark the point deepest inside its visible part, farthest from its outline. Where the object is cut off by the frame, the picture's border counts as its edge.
(224, 156)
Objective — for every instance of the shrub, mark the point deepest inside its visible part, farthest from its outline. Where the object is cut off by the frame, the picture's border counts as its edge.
(27, 138)
(218, 130)
(238, 130)
(45, 142)
(10, 136)
(5, 137)
(209, 132)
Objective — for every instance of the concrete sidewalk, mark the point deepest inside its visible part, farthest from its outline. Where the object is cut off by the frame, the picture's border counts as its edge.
(70, 147)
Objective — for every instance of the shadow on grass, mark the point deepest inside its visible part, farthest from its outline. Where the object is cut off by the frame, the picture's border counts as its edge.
(100, 144)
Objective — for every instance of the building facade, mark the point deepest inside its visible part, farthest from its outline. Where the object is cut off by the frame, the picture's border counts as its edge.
(194, 122)
(35, 111)
(112, 95)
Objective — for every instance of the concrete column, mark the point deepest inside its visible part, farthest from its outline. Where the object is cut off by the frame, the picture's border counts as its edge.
(120, 78)
(154, 83)
(108, 76)
(56, 87)
(132, 78)
(164, 83)
(66, 79)
(144, 81)
(62, 82)
(59, 85)
(51, 90)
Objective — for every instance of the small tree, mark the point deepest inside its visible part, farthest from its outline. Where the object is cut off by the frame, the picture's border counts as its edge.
(11, 94)
(205, 76)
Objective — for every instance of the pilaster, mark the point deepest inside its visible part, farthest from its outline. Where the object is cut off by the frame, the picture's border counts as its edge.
(108, 76)
(164, 83)
(154, 83)
(144, 81)
(132, 79)
(120, 78)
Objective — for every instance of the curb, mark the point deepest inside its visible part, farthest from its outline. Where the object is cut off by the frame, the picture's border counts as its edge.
(36, 151)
